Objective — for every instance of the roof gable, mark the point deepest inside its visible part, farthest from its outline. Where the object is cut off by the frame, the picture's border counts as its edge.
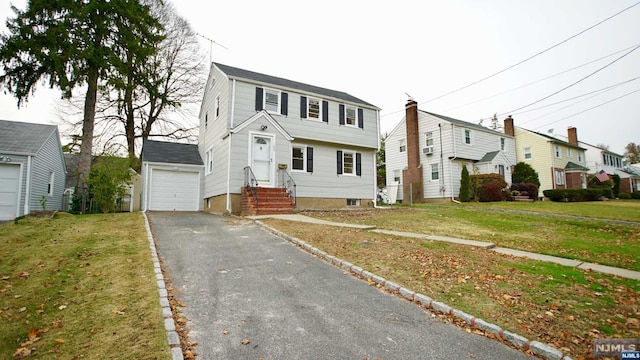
(263, 114)
(172, 153)
(237, 73)
(22, 138)
(466, 124)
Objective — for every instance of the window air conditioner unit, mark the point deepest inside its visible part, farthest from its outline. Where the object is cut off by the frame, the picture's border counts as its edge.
(427, 150)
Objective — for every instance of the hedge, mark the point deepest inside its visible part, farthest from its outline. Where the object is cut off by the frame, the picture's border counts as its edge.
(528, 189)
(573, 195)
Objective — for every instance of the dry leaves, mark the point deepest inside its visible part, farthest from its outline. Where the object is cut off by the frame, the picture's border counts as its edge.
(245, 342)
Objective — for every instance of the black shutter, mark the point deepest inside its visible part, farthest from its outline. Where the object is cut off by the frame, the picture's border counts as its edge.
(339, 162)
(259, 98)
(309, 159)
(341, 114)
(325, 111)
(358, 164)
(361, 118)
(284, 98)
(303, 107)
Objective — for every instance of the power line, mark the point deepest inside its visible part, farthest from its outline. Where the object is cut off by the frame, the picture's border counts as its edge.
(572, 84)
(540, 80)
(523, 61)
(591, 108)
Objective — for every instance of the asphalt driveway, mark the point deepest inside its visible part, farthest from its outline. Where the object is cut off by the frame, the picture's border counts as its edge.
(240, 282)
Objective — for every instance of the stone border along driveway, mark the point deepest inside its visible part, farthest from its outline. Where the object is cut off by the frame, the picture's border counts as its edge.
(169, 324)
(519, 342)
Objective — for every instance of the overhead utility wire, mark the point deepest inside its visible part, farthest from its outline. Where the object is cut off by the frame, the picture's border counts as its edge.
(591, 108)
(572, 84)
(539, 80)
(525, 60)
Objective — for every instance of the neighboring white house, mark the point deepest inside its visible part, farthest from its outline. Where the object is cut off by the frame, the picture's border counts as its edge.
(32, 169)
(324, 140)
(431, 149)
(599, 159)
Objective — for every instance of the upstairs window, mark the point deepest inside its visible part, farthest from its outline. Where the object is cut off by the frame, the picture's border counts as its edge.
(206, 120)
(428, 138)
(314, 109)
(272, 101)
(579, 156)
(351, 116)
(557, 152)
(217, 104)
(569, 152)
(503, 144)
(403, 146)
(527, 153)
(209, 161)
(467, 136)
(396, 175)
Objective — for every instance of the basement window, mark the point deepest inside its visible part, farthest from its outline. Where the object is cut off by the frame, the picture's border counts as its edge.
(353, 202)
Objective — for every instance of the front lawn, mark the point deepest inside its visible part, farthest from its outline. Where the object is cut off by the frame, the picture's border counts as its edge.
(79, 287)
(587, 240)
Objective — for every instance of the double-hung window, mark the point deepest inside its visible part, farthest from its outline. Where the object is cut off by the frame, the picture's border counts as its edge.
(217, 104)
(557, 152)
(559, 177)
(403, 145)
(50, 184)
(503, 144)
(209, 161)
(527, 153)
(428, 138)
(349, 163)
(272, 100)
(350, 116)
(297, 158)
(435, 172)
(314, 110)
(467, 136)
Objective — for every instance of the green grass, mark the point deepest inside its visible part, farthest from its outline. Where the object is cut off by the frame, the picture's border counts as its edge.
(79, 287)
(587, 240)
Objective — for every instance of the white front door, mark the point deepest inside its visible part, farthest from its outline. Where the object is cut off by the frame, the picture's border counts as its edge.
(261, 159)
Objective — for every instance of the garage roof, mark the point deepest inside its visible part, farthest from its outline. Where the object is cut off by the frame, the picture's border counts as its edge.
(23, 138)
(172, 153)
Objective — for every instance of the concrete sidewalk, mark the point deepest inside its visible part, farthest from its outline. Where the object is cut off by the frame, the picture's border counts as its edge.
(629, 274)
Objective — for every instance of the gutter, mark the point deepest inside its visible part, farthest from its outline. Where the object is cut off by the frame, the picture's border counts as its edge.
(375, 163)
(233, 100)
(455, 156)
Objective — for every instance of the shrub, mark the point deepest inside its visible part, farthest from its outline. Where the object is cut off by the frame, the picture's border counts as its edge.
(624, 196)
(573, 195)
(465, 185)
(635, 195)
(616, 184)
(524, 173)
(528, 189)
(494, 189)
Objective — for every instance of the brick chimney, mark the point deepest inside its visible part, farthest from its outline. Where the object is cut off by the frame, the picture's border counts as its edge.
(508, 126)
(572, 135)
(412, 177)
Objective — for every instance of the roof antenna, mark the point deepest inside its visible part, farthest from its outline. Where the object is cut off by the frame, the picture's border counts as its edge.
(211, 42)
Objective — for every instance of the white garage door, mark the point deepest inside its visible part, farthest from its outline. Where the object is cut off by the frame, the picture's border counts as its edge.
(9, 184)
(174, 191)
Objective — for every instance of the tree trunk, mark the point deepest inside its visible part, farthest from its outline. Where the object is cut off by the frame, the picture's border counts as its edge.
(86, 147)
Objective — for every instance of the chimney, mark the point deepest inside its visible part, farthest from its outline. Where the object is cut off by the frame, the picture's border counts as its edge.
(508, 126)
(412, 177)
(572, 133)
(413, 139)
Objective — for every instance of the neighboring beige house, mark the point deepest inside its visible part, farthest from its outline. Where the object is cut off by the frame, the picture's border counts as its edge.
(559, 164)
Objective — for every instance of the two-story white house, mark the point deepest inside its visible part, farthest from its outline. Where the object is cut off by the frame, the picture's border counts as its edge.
(263, 131)
(600, 159)
(425, 154)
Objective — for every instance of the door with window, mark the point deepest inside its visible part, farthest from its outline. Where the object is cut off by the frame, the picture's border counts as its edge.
(262, 159)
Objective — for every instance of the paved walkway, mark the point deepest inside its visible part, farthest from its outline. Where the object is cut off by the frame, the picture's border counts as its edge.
(630, 274)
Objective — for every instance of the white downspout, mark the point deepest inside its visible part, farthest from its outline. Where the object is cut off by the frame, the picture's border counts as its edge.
(27, 190)
(231, 114)
(145, 188)
(375, 163)
(455, 156)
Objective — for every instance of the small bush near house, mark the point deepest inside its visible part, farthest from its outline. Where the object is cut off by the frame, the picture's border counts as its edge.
(479, 180)
(528, 189)
(624, 196)
(465, 185)
(572, 195)
(494, 191)
(616, 184)
(635, 195)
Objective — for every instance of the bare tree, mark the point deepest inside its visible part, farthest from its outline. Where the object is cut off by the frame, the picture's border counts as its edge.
(155, 96)
(632, 152)
(603, 146)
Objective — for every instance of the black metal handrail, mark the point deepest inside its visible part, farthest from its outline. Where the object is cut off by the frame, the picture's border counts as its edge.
(251, 183)
(286, 182)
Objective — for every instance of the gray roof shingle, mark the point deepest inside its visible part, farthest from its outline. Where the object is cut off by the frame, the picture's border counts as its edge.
(280, 82)
(172, 153)
(489, 156)
(465, 123)
(23, 138)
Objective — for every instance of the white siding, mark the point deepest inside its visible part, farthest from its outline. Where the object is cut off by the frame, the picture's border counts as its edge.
(395, 160)
(48, 160)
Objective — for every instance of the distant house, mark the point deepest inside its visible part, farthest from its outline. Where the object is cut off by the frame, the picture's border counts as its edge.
(599, 159)
(559, 164)
(271, 133)
(425, 154)
(171, 176)
(32, 168)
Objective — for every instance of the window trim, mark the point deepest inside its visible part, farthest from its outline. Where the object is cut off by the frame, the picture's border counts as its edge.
(437, 167)
(557, 152)
(304, 158)
(464, 137)
(264, 100)
(503, 144)
(208, 165)
(353, 202)
(353, 162)
(309, 117)
(529, 152)
(579, 156)
(355, 116)
(559, 177)
(52, 176)
(399, 177)
(428, 136)
(402, 145)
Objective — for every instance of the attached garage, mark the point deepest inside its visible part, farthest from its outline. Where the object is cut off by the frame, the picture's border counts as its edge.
(9, 191)
(172, 190)
(171, 175)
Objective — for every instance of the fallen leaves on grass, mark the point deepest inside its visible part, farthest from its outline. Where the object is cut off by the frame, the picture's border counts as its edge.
(245, 342)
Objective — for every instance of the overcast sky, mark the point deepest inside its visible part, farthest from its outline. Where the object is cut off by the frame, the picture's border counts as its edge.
(380, 51)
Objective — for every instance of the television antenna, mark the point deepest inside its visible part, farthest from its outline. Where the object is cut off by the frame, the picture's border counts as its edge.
(211, 42)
